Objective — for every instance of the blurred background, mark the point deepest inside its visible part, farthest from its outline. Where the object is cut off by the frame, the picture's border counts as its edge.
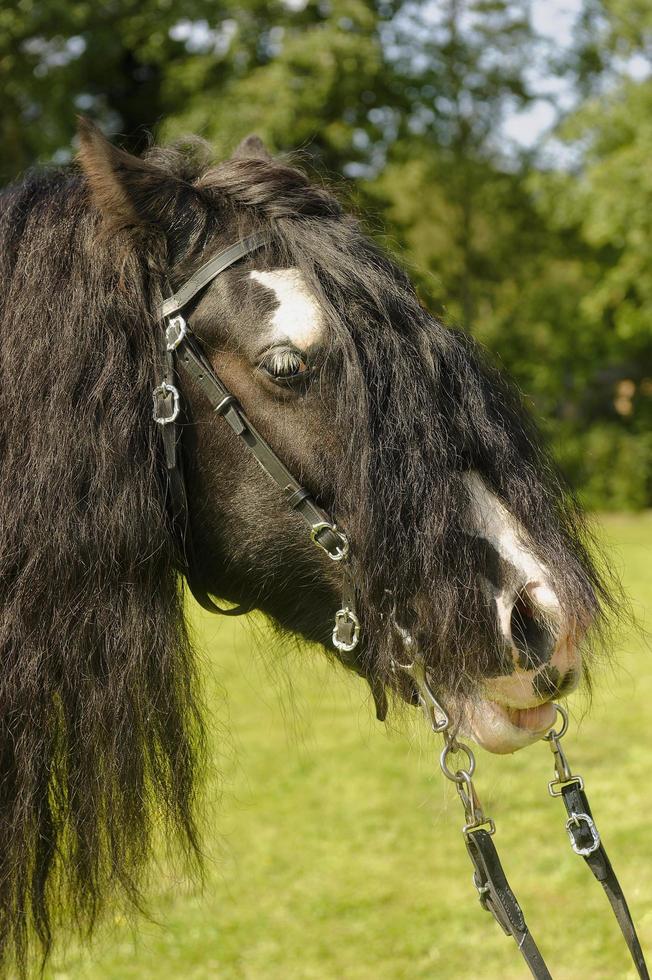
(501, 147)
(503, 151)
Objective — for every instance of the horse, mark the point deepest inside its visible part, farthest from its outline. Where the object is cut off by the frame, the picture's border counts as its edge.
(432, 503)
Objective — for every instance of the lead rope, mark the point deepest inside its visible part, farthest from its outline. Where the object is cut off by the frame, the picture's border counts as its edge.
(489, 878)
(585, 839)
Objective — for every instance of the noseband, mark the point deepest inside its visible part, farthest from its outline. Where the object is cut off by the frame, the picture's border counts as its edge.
(178, 347)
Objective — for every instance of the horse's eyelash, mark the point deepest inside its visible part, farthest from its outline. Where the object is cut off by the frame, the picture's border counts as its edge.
(283, 362)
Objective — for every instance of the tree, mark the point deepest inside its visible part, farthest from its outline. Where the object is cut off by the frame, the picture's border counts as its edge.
(297, 74)
(319, 83)
(463, 64)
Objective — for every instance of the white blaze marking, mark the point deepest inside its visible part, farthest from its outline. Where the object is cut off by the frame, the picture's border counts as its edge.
(494, 522)
(488, 720)
(297, 317)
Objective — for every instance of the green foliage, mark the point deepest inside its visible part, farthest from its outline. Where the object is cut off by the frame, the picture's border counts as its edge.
(549, 268)
(322, 77)
(549, 265)
(612, 205)
(612, 465)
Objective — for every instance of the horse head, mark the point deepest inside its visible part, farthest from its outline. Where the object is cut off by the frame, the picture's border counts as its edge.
(463, 541)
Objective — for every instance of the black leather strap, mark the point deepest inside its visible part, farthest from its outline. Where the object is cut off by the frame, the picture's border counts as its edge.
(207, 602)
(207, 272)
(497, 897)
(192, 360)
(585, 837)
(164, 407)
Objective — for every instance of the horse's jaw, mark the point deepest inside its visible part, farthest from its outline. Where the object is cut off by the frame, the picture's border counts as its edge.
(501, 729)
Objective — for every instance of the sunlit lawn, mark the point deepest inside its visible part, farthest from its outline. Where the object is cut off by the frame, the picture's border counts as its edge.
(334, 846)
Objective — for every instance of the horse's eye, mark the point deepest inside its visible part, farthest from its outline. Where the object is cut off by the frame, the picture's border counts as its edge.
(284, 364)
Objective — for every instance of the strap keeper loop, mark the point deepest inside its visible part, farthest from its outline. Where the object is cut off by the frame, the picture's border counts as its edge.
(222, 407)
(297, 498)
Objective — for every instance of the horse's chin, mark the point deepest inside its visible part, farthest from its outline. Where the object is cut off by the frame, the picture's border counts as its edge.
(500, 729)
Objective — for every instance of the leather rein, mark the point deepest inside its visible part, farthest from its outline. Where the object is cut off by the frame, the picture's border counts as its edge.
(494, 891)
(178, 349)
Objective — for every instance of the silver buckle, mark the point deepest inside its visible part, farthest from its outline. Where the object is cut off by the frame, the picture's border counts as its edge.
(175, 331)
(343, 616)
(555, 786)
(159, 395)
(575, 820)
(342, 549)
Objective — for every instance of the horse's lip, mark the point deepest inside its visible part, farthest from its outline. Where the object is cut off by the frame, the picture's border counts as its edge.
(535, 719)
(495, 726)
(501, 729)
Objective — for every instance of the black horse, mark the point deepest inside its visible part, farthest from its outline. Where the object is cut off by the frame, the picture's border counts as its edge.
(463, 539)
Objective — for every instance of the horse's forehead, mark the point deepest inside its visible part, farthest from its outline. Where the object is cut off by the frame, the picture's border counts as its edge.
(297, 316)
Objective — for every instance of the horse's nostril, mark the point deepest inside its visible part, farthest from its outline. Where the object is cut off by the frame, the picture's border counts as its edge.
(532, 635)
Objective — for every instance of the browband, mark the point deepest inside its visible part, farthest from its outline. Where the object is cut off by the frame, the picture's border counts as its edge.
(208, 271)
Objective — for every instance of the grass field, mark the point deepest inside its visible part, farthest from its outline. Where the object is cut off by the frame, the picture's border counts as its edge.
(335, 849)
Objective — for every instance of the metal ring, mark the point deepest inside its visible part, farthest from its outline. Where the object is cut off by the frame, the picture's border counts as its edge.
(552, 734)
(342, 549)
(460, 775)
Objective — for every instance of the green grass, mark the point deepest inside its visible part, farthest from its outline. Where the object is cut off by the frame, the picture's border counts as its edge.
(335, 848)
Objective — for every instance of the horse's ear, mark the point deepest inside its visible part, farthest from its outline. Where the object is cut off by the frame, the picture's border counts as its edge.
(252, 148)
(127, 190)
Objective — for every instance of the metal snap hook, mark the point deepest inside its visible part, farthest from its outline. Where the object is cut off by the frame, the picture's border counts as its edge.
(553, 735)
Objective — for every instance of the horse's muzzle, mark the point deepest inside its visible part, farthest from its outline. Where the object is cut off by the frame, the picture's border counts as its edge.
(542, 663)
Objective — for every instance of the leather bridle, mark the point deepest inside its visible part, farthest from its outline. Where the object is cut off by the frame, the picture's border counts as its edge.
(179, 349)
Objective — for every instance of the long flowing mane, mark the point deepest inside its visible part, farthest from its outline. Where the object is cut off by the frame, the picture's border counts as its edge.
(100, 730)
(99, 725)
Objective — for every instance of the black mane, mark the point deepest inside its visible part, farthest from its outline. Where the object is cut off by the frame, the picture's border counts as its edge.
(99, 728)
